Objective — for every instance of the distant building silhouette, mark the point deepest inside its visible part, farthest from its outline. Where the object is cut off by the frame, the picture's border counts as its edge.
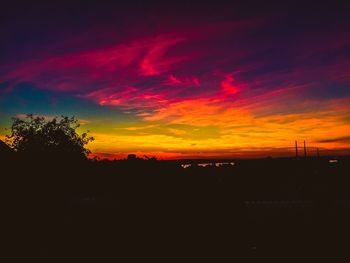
(131, 157)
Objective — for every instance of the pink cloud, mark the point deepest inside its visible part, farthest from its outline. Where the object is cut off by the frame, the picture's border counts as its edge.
(228, 84)
(151, 71)
(182, 81)
(112, 65)
(154, 62)
(174, 80)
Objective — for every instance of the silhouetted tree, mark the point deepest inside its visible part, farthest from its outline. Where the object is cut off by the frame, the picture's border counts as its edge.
(57, 136)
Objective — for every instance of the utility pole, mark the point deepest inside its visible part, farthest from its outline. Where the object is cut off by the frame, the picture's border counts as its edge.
(318, 153)
(304, 149)
(296, 149)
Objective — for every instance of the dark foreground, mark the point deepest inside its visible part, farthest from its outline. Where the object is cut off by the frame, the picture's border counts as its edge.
(279, 210)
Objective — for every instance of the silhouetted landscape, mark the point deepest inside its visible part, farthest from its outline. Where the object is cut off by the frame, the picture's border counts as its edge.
(175, 131)
(68, 206)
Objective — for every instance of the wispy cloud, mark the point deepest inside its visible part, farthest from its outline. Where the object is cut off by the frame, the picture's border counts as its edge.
(345, 139)
(228, 84)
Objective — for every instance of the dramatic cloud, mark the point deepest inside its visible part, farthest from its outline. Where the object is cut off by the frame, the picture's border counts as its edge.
(215, 87)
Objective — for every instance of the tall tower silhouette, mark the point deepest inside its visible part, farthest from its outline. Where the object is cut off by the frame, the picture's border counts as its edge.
(296, 150)
(304, 149)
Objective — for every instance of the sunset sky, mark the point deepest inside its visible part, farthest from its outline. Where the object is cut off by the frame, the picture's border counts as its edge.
(184, 79)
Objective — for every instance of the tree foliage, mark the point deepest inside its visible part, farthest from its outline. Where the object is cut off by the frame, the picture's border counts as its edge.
(57, 136)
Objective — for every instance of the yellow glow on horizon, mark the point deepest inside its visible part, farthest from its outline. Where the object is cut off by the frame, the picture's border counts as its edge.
(233, 132)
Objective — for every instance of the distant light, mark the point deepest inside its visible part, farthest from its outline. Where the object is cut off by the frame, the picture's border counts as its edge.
(216, 164)
(204, 164)
(333, 161)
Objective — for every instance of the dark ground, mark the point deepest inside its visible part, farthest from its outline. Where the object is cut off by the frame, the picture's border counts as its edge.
(279, 210)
